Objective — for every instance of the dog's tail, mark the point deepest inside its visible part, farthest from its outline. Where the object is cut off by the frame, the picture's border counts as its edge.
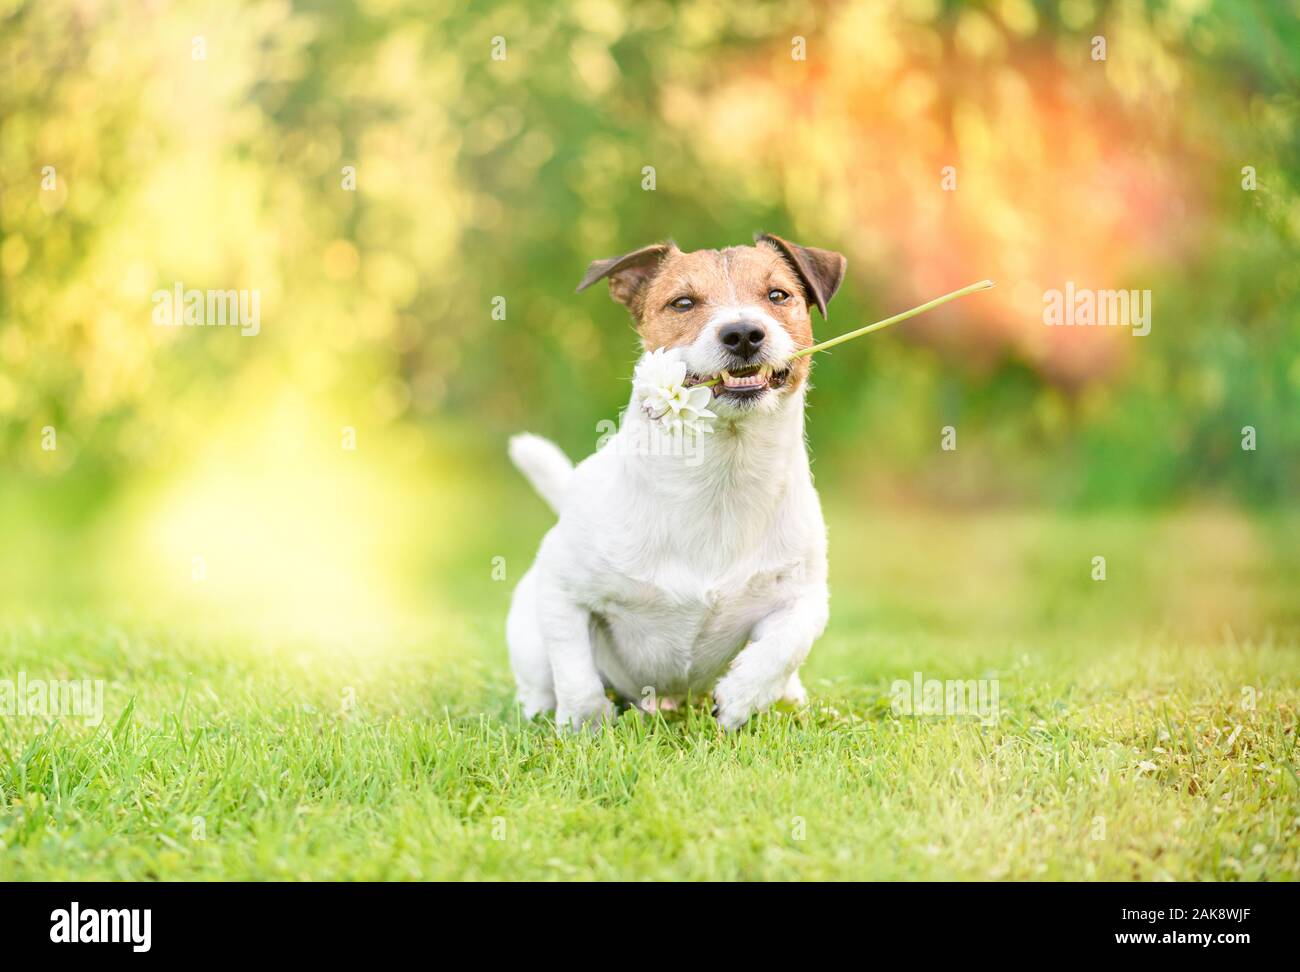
(543, 465)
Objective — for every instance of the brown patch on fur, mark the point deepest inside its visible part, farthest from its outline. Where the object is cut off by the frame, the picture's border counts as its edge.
(822, 271)
(648, 280)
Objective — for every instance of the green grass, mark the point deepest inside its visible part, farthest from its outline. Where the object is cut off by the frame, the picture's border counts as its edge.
(1147, 732)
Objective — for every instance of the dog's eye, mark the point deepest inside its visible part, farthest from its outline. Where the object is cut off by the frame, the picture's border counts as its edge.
(682, 304)
(777, 296)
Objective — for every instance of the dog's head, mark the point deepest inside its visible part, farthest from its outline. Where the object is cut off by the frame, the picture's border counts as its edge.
(736, 314)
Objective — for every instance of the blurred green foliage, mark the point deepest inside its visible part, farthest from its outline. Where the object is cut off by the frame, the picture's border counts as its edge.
(481, 177)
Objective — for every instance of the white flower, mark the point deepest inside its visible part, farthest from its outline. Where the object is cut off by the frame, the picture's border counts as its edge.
(660, 382)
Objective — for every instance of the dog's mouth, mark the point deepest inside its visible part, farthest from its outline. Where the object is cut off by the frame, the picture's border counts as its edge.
(744, 382)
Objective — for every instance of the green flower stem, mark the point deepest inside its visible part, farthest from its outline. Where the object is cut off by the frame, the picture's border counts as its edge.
(881, 325)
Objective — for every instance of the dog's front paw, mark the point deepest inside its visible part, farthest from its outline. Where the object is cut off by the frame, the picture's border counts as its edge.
(587, 713)
(794, 692)
(737, 697)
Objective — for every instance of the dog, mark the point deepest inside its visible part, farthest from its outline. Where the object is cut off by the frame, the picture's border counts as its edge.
(666, 578)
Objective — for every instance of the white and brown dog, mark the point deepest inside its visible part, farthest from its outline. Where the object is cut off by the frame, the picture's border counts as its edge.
(666, 577)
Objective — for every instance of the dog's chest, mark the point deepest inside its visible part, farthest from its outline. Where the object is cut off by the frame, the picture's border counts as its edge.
(690, 557)
(678, 630)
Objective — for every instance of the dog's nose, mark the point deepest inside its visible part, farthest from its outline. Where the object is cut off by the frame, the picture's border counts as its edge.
(744, 338)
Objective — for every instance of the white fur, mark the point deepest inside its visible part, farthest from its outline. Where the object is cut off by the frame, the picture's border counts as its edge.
(674, 574)
(547, 468)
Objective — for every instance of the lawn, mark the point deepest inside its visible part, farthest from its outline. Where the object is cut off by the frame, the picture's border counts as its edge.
(1146, 729)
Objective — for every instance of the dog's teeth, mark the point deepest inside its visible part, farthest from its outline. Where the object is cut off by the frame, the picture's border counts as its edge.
(725, 374)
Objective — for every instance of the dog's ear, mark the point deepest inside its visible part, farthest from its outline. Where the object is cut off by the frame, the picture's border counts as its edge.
(628, 274)
(822, 271)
